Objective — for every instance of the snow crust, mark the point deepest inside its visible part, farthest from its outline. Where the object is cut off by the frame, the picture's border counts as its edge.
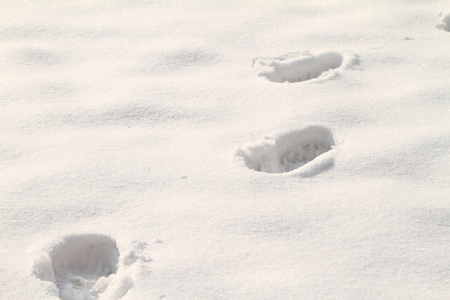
(224, 149)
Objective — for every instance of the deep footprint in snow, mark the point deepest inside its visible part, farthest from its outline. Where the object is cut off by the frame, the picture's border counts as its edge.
(297, 67)
(301, 149)
(82, 266)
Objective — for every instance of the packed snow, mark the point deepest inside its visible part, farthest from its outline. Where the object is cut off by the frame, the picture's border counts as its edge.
(224, 149)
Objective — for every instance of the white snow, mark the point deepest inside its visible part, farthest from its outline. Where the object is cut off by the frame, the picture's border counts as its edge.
(224, 149)
(289, 151)
(82, 267)
(297, 67)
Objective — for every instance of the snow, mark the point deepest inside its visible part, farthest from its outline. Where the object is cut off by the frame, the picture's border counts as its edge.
(83, 266)
(224, 149)
(290, 151)
(297, 67)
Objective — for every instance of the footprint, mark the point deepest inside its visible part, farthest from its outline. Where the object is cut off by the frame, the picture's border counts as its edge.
(297, 67)
(301, 150)
(84, 266)
(445, 21)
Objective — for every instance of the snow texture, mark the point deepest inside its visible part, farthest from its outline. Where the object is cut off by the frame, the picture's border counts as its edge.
(224, 149)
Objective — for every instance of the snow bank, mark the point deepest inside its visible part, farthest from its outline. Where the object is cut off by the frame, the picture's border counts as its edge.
(290, 151)
(297, 67)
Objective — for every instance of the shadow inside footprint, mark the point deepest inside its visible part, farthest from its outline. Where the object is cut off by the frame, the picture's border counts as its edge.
(297, 67)
(80, 266)
(291, 151)
(445, 21)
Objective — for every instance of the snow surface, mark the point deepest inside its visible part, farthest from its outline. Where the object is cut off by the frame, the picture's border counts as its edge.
(130, 133)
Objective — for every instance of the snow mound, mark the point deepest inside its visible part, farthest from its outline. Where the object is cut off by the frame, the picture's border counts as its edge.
(301, 150)
(445, 21)
(83, 267)
(297, 67)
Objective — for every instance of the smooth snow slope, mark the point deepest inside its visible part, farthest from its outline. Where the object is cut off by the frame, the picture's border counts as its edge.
(129, 131)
